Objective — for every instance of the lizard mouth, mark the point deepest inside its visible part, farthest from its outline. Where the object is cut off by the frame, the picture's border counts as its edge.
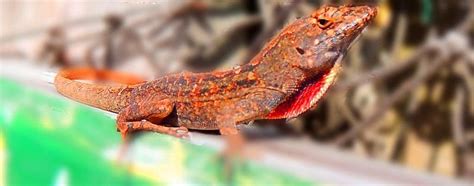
(351, 43)
(310, 92)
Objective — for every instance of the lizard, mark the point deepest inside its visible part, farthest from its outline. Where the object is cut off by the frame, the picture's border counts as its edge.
(285, 79)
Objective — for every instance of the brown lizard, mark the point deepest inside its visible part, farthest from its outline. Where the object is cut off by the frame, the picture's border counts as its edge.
(288, 77)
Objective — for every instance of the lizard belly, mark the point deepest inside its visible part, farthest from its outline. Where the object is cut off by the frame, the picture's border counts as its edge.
(197, 115)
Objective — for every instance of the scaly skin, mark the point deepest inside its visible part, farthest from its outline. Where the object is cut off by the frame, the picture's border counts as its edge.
(285, 79)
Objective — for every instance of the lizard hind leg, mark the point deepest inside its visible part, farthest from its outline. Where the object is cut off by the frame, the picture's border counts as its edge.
(233, 149)
(135, 118)
(143, 125)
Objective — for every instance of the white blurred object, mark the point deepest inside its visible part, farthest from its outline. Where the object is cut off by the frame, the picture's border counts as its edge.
(456, 41)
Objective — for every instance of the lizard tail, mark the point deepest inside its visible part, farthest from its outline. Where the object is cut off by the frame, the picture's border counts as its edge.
(107, 97)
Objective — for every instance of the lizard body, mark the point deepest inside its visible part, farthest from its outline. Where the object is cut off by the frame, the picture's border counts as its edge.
(285, 79)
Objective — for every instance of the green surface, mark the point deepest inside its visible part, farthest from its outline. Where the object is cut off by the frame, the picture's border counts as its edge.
(47, 140)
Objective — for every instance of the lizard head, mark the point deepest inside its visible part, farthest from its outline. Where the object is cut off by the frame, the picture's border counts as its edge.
(315, 45)
(330, 34)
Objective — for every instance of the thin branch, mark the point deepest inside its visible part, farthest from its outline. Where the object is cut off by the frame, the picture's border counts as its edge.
(457, 118)
(219, 47)
(68, 25)
(385, 72)
(457, 115)
(400, 93)
(281, 16)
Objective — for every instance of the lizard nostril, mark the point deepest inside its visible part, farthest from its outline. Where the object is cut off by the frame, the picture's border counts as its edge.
(299, 50)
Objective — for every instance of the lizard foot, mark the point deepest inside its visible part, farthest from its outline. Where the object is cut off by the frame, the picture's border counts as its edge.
(126, 127)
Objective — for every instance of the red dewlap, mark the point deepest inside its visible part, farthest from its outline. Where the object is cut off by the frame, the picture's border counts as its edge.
(300, 102)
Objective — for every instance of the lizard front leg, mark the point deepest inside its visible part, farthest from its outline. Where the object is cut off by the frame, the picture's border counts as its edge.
(250, 107)
(234, 145)
(235, 141)
(134, 118)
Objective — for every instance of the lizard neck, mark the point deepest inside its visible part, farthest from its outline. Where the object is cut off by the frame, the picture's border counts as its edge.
(307, 95)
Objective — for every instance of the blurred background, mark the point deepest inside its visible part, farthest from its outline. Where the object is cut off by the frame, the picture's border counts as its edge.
(401, 112)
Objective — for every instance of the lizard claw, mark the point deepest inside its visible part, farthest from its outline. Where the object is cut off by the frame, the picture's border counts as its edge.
(123, 129)
(179, 132)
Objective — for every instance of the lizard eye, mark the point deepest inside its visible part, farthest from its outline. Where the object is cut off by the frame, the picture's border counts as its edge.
(324, 23)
